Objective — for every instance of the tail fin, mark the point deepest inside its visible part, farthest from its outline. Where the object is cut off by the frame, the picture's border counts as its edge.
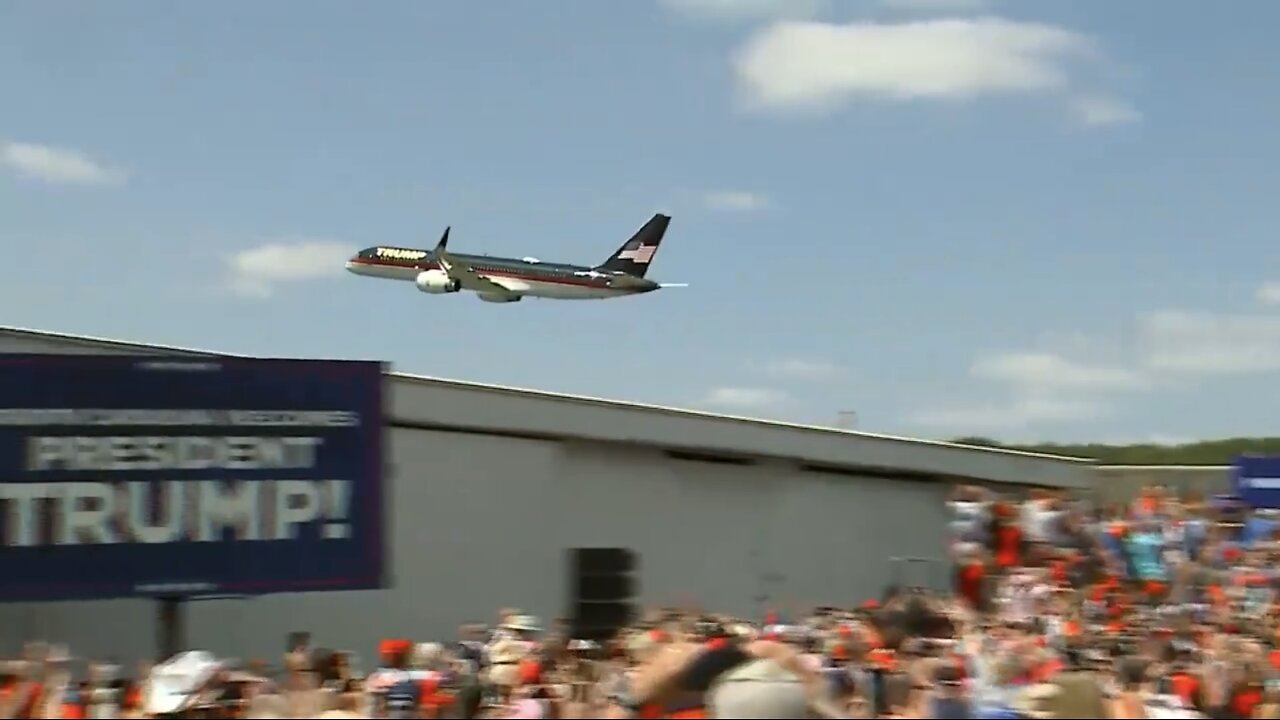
(634, 256)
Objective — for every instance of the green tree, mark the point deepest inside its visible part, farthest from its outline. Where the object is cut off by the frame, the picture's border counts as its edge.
(1205, 452)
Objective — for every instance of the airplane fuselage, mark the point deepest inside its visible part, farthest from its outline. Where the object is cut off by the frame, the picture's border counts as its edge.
(521, 277)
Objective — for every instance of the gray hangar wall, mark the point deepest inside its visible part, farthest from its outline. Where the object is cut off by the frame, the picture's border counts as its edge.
(727, 536)
(489, 488)
(481, 522)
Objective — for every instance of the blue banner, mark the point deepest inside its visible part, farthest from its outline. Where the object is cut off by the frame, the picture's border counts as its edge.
(1257, 481)
(179, 476)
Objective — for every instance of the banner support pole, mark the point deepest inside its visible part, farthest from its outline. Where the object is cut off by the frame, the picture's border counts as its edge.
(170, 626)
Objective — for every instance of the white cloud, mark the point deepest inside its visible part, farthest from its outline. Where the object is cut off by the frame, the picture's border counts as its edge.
(57, 165)
(744, 398)
(1032, 388)
(1269, 294)
(1205, 343)
(735, 201)
(937, 6)
(1014, 414)
(255, 272)
(1040, 373)
(803, 369)
(1100, 110)
(1164, 349)
(815, 66)
(743, 10)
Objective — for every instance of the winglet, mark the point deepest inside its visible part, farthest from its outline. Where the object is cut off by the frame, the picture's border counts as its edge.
(444, 239)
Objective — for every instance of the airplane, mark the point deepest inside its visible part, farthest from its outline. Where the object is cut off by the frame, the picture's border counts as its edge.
(508, 280)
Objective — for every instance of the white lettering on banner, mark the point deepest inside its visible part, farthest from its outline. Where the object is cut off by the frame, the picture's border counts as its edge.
(168, 526)
(22, 499)
(87, 508)
(94, 513)
(169, 453)
(233, 506)
(1264, 483)
(165, 418)
(297, 502)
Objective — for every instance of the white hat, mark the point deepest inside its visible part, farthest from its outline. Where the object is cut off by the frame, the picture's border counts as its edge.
(177, 681)
(525, 623)
(58, 654)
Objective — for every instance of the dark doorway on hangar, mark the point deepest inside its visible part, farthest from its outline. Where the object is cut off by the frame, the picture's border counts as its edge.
(602, 589)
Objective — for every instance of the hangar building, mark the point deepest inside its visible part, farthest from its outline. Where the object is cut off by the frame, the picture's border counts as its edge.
(488, 488)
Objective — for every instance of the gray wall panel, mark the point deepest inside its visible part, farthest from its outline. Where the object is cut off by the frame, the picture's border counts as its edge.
(496, 409)
(833, 535)
(694, 524)
(470, 528)
(741, 538)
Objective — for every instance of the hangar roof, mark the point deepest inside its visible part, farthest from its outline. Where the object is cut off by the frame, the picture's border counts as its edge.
(428, 402)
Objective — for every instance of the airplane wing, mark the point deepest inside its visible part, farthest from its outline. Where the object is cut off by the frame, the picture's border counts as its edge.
(469, 279)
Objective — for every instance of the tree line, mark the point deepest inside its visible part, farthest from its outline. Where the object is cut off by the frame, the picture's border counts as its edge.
(1205, 452)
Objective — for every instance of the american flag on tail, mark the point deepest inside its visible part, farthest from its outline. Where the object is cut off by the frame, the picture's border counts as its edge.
(642, 254)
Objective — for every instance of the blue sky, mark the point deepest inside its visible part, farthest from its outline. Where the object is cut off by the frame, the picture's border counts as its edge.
(1041, 220)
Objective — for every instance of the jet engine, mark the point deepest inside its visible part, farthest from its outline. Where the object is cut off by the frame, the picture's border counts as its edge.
(436, 282)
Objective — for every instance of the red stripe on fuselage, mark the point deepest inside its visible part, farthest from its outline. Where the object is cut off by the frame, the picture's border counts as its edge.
(559, 280)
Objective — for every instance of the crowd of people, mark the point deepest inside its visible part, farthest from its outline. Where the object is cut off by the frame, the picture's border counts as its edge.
(1164, 607)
